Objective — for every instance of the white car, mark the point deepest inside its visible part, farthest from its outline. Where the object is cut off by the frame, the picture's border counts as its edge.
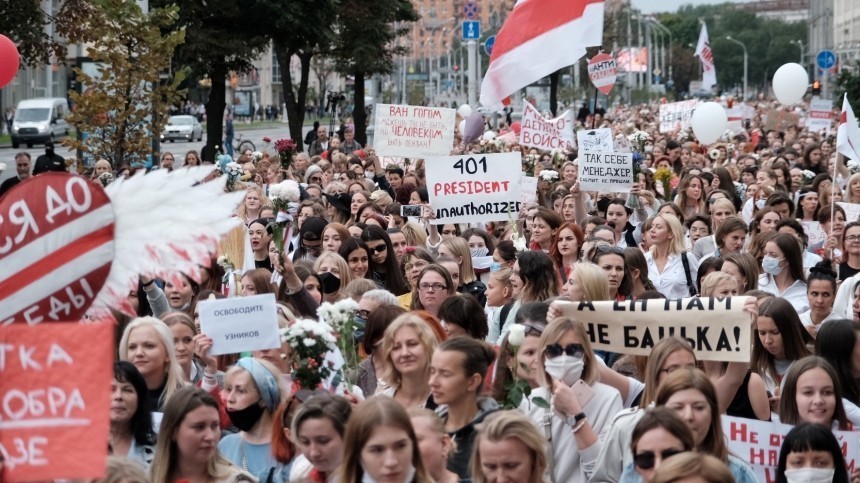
(182, 127)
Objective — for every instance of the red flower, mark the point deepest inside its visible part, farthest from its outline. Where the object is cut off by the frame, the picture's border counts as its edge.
(267, 140)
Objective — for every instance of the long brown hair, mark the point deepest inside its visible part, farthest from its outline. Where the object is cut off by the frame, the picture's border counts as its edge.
(794, 337)
(683, 379)
(788, 413)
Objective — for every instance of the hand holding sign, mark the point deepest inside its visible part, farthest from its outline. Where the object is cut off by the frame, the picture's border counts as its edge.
(240, 324)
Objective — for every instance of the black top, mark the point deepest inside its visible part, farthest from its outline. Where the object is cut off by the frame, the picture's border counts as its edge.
(741, 406)
(845, 271)
(8, 184)
(45, 163)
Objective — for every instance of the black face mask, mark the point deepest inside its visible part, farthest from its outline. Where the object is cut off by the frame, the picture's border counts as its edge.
(245, 419)
(330, 282)
(49, 151)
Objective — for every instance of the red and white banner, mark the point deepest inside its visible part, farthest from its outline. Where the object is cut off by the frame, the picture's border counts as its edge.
(848, 134)
(538, 38)
(706, 55)
(56, 248)
(602, 71)
(820, 118)
(547, 134)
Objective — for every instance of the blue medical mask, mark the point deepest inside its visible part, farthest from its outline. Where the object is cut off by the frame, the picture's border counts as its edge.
(495, 267)
(770, 265)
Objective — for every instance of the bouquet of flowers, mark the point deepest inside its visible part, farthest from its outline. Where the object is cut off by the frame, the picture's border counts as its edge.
(257, 156)
(549, 175)
(228, 267)
(285, 148)
(104, 178)
(664, 176)
(518, 389)
(808, 176)
(285, 198)
(310, 341)
(853, 167)
(341, 317)
(233, 171)
(529, 161)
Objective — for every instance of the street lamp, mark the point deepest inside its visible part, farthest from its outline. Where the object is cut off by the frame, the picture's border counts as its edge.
(730, 39)
(799, 44)
(671, 40)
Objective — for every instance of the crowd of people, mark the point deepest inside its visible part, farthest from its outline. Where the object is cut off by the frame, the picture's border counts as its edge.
(469, 370)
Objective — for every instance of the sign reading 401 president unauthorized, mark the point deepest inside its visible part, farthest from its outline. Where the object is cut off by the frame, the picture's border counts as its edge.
(413, 131)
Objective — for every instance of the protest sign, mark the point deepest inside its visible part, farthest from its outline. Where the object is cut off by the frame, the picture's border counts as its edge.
(56, 248)
(758, 443)
(528, 190)
(813, 231)
(55, 391)
(413, 131)
(240, 324)
(605, 171)
(820, 116)
(677, 115)
(595, 139)
(852, 211)
(602, 71)
(547, 134)
(474, 188)
(718, 328)
(780, 120)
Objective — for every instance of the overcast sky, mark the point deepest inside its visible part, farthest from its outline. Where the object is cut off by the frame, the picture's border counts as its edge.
(656, 6)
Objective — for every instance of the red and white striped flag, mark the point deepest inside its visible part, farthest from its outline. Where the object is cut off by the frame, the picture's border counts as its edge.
(848, 134)
(706, 55)
(538, 38)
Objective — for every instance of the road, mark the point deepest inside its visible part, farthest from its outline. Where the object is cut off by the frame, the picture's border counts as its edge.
(178, 148)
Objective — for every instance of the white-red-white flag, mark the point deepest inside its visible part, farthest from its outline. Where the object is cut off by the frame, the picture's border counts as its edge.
(706, 55)
(538, 38)
(848, 134)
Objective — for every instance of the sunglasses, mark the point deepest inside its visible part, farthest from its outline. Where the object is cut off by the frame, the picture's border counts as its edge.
(379, 248)
(573, 350)
(534, 328)
(646, 459)
(610, 249)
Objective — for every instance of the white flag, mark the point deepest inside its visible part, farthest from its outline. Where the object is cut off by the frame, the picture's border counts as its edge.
(848, 134)
(706, 55)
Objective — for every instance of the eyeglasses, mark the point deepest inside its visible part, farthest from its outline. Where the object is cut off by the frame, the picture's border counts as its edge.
(378, 248)
(315, 179)
(852, 238)
(363, 313)
(436, 287)
(610, 249)
(573, 350)
(646, 459)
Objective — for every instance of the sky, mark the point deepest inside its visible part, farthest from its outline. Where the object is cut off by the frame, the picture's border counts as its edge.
(657, 6)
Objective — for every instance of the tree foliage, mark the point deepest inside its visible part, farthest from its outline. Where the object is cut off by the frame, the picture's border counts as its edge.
(24, 22)
(848, 82)
(126, 103)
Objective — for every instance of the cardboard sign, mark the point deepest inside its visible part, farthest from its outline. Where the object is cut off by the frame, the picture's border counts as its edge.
(813, 231)
(595, 139)
(547, 134)
(56, 248)
(852, 211)
(718, 329)
(602, 71)
(413, 131)
(677, 115)
(55, 392)
(240, 324)
(474, 188)
(605, 171)
(820, 116)
(758, 443)
(528, 190)
(780, 120)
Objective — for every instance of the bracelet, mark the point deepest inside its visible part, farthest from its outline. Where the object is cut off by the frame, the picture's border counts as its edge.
(147, 284)
(579, 426)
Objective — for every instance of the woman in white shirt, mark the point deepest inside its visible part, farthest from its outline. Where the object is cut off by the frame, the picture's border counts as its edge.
(666, 259)
(783, 276)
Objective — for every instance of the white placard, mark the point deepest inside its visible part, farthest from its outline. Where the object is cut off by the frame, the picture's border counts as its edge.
(547, 134)
(240, 324)
(852, 211)
(413, 131)
(605, 171)
(528, 190)
(820, 117)
(474, 188)
(595, 139)
(676, 115)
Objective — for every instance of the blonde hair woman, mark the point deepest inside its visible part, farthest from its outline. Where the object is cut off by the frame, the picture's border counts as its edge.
(252, 205)
(509, 446)
(693, 466)
(147, 343)
(587, 281)
(670, 267)
(335, 266)
(852, 193)
(407, 347)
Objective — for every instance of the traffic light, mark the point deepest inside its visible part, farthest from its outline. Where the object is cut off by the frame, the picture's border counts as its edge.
(816, 88)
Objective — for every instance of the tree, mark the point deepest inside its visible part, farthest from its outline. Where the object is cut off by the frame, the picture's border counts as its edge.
(24, 22)
(848, 82)
(220, 36)
(123, 106)
(365, 45)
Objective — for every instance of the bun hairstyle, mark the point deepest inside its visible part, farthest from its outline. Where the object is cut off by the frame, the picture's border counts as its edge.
(823, 270)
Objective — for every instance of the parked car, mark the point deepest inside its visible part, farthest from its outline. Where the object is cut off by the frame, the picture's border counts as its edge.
(39, 121)
(182, 127)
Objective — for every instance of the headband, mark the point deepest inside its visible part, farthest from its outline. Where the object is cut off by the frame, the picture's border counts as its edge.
(265, 381)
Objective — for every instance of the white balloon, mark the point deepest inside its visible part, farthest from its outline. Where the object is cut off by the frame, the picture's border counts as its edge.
(462, 126)
(790, 83)
(489, 135)
(709, 122)
(464, 110)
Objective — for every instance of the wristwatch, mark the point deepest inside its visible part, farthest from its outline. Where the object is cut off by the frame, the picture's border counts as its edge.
(572, 421)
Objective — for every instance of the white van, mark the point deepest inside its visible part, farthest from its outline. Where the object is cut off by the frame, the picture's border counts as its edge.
(40, 121)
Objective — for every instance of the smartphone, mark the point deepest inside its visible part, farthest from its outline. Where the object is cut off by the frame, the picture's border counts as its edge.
(411, 210)
(583, 392)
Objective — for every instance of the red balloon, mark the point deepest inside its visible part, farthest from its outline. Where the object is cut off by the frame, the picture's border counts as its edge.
(516, 126)
(9, 60)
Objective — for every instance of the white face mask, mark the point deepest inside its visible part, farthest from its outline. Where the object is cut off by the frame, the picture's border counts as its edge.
(810, 475)
(564, 368)
(760, 203)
